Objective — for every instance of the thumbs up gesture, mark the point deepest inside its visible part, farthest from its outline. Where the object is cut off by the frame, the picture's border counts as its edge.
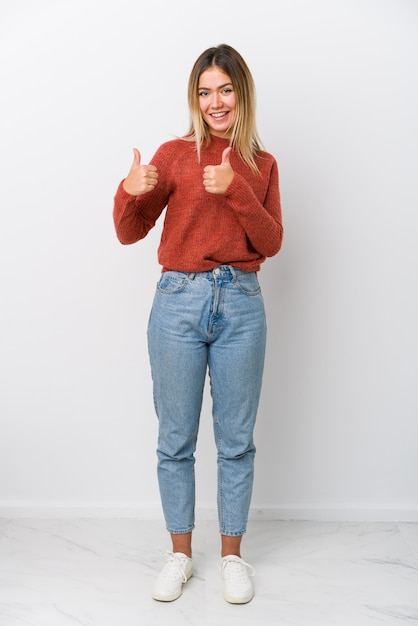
(141, 178)
(217, 178)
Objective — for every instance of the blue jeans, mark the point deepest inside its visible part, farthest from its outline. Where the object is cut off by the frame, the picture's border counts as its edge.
(211, 320)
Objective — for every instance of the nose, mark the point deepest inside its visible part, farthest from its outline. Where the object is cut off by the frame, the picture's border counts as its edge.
(216, 100)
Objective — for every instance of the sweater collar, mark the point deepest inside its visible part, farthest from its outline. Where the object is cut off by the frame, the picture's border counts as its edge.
(220, 141)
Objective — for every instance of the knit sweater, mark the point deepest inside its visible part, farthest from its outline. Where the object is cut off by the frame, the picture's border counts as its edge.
(202, 230)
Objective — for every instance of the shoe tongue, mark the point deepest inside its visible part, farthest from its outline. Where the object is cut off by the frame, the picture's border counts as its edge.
(233, 559)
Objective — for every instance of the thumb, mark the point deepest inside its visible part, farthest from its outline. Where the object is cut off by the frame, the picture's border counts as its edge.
(137, 157)
(225, 156)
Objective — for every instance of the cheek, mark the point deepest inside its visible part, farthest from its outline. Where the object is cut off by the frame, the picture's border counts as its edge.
(233, 103)
(202, 106)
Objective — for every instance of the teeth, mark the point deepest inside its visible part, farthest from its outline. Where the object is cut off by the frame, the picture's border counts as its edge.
(218, 114)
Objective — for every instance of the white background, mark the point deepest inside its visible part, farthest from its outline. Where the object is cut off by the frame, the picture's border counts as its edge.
(83, 82)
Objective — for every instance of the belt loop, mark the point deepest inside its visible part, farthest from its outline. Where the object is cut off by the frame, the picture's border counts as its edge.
(191, 275)
(233, 273)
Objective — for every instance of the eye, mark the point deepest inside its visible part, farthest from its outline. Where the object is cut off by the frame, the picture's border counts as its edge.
(203, 93)
(227, 90)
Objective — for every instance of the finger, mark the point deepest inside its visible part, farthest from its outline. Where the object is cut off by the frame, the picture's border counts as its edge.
(225, 156)
(137, 157)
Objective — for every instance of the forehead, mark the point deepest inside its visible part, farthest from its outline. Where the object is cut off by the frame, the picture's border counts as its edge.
(213, 77)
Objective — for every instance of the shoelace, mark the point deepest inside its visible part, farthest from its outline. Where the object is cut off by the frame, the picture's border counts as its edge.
(173, 568)
(239, 570)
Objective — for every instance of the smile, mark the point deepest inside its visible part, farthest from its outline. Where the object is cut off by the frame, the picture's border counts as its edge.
(219, 115)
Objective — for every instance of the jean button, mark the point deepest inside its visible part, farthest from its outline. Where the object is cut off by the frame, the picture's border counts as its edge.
(216, 271)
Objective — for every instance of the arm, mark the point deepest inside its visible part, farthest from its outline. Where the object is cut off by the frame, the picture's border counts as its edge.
(139, 201)
(262, 222)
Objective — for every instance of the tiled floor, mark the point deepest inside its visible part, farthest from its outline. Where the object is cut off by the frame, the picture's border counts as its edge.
(99, 572)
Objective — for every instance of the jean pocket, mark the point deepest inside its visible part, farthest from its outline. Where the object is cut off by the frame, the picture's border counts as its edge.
(172, 282)
(248, 283)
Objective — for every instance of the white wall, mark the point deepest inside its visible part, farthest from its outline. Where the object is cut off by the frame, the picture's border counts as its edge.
(84, 81)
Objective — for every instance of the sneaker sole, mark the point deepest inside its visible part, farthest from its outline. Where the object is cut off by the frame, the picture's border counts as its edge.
(237, 600)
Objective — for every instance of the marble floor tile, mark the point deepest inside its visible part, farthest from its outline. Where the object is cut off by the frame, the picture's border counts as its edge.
(410, 532)
(100, 572)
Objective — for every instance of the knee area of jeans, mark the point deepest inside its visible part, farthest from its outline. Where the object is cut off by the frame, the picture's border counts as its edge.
(234, 453)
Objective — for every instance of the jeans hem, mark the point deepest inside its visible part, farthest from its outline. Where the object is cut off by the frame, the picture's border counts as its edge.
(231, 533)
(180, 532)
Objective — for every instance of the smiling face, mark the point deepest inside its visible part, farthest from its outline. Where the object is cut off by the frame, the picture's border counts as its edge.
(217, 101)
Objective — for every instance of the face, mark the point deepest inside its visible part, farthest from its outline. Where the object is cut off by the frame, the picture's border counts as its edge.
(217, 101)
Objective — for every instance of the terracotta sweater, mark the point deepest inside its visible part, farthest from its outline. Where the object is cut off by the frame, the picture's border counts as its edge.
(202, 230)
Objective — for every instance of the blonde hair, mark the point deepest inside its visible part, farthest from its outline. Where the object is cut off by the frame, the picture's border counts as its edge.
(244, 136)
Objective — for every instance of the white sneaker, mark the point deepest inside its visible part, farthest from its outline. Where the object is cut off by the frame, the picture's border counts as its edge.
(176, 572)
(237, 585)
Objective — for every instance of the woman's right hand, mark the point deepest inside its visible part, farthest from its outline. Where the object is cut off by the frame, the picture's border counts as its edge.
(141, 178)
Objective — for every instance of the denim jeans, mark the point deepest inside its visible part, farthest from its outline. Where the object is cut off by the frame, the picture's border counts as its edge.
(203, 321)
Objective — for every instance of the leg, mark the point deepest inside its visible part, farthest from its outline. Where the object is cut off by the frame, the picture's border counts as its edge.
(236, 359)
(178, 365)
(178, 358)
(231, 545)
(182, 543)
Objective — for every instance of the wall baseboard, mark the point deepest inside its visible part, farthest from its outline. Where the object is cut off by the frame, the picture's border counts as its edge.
(152, 511)
(335, 514)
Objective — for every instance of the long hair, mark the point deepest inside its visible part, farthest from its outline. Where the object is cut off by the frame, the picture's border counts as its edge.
(244, 136)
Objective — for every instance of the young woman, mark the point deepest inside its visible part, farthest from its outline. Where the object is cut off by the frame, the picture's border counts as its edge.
(223, 219)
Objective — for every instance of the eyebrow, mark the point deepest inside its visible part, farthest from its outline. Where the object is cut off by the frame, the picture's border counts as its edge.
(220, 86)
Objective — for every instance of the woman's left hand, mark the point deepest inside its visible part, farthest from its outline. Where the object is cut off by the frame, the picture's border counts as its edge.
(217, 178)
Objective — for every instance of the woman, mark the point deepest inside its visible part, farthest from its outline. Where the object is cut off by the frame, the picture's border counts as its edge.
(223, 219)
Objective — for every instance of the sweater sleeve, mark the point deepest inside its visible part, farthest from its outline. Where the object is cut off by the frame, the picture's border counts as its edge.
(134, 216)
(262, 222)
(130, 224)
